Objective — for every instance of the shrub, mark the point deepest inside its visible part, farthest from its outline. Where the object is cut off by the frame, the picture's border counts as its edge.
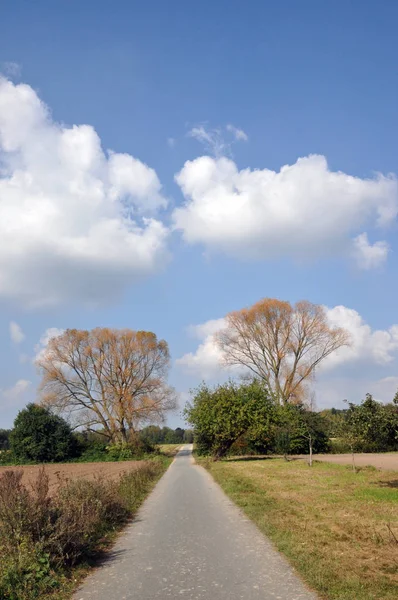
(40, 436)
(223, 414)
(7, 457)
(42, 535)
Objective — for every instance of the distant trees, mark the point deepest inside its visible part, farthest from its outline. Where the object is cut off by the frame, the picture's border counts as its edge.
(113, 380)
(222, 414)
(300, 431)
(40, 436)
(281, 344)
(371, 426)
(188, 436)
(334, 420)
(4, 439)
(165, 435)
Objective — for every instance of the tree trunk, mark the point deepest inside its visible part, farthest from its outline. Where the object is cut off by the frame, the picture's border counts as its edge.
(310, 443)
(353, 459)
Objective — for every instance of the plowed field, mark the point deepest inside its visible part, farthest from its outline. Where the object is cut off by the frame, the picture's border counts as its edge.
(57, 472)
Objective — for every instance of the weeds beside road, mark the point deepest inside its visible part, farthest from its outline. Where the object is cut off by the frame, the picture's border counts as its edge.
(169, 449)
(46, 539)
(339, 529)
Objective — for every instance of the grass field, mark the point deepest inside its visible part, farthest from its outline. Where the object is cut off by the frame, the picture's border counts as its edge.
(169, 449)
(339, 529)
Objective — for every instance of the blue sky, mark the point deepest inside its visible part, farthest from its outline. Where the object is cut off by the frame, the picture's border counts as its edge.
(239, 90)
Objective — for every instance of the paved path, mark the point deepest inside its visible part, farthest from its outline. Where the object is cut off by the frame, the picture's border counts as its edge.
(190, 542)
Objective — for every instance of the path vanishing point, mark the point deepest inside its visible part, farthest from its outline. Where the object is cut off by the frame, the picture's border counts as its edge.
(189, 541)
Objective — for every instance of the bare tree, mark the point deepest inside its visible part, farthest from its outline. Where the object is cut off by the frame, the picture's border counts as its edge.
(281, 344)
(106, 378)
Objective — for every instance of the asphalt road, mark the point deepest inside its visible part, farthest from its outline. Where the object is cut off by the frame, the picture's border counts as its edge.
(190, 542)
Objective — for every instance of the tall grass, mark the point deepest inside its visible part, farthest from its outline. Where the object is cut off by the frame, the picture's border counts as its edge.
(42, 537)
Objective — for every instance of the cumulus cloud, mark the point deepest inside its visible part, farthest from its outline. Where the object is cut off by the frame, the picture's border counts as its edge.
(206, 361)
(369, 256)
(16, 334)
(304, 211)
(76, 223)
(368, 347)
(14, 394)
(49, 333)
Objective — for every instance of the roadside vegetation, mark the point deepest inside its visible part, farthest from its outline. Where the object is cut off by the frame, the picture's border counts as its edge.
(338, 525)
(48, 541)
(110, 385)
(338, 528)
(169, 449)
(244, 419)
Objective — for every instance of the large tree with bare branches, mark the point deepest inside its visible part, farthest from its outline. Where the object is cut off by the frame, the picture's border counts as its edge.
(281, 344)
(110, 379)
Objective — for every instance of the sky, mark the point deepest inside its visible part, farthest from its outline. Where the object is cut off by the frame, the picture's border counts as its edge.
(164, 163)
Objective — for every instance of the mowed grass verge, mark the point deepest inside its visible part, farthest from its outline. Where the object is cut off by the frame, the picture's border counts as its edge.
(338, 528)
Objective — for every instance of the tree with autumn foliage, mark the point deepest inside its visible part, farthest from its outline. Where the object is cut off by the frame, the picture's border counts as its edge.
(107, 379)
(281, 344)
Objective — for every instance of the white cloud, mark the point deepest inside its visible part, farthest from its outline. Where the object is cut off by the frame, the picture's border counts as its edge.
(212, 140)
(239, 134)
(14, 394)
(369, 256)
(75, 223)
(206, 361)
(49, 333)
(16, 334)
(369, 346)
(303, 211)
(171, 142)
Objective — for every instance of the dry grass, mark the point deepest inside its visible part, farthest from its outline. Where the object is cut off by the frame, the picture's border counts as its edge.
(46, 535)
(170, 449)
(339, 529)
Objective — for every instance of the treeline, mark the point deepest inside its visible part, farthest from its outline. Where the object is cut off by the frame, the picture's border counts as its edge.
(247, 419)
(165, 435)
(39, 436)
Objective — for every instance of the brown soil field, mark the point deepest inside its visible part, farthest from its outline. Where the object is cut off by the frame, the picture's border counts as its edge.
(57, 472)
(387, 461)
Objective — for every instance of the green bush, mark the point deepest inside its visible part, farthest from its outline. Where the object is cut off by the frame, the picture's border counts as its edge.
(223, 414)
(137, 448)
(98, 450)
(371, 426)
(40, 436)
(7, 457)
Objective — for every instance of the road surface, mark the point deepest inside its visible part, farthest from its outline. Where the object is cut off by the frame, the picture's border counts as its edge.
(190, 542)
